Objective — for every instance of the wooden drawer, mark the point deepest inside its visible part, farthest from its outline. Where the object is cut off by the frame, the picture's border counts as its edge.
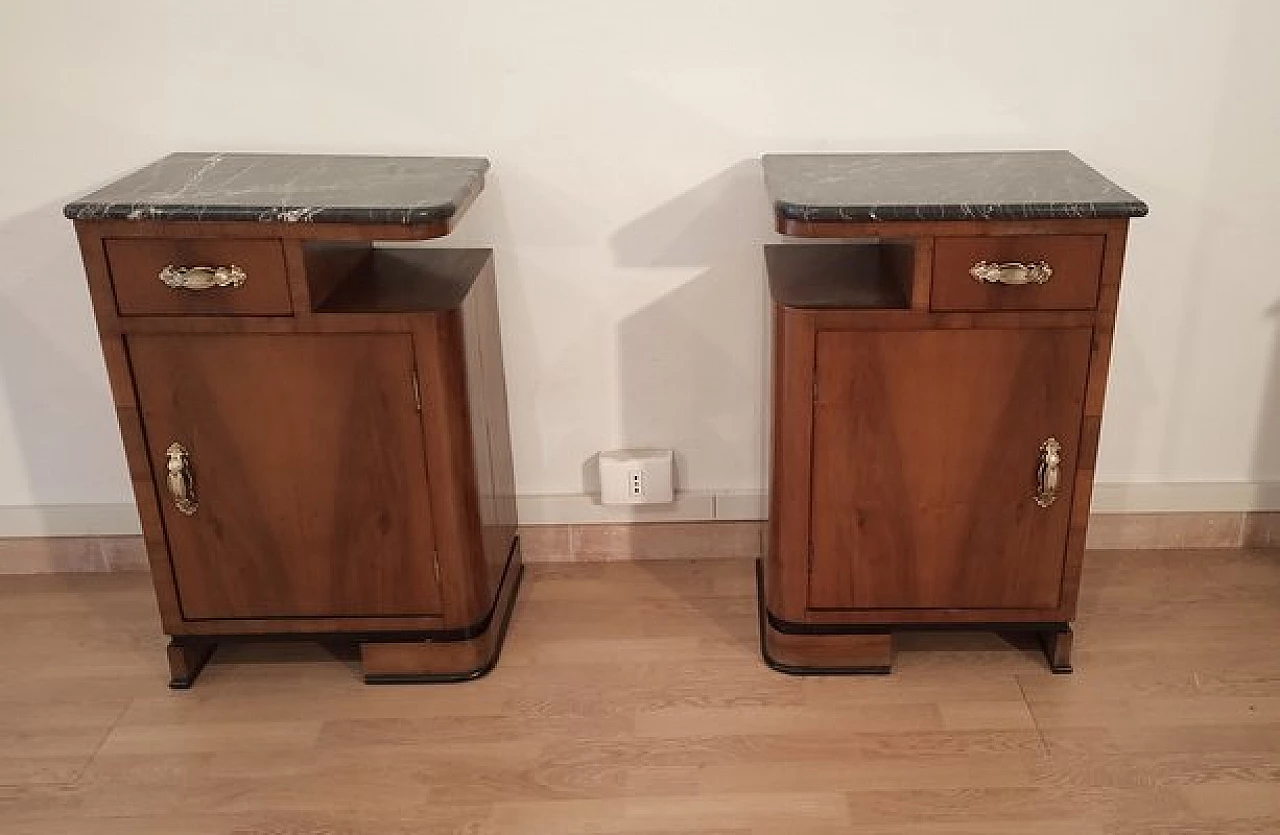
(1075, 262)
(137, 265)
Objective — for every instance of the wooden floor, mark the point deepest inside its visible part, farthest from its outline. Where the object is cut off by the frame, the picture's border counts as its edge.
(631, 699)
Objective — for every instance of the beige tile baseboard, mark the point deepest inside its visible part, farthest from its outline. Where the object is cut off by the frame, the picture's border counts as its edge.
(68, 554)
(687, 540)
(677, 540)
(642, 541)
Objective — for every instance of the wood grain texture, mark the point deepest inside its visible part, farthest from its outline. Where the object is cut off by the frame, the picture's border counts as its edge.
(1020, 583)
(147, 497)
(455, 660)
(136, 263)
(896, 320)
(309, 468)
(631, 700)
(829, 654)
(486, 399)
(794, 335)
(1076, 261)
(926, 446)
(365, 583)
(921, 256)
(1095, 394)
(440, 347)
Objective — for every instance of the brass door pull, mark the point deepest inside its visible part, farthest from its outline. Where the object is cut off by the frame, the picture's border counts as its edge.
(202, 278)
(181, 479)
(1011, 272)
(1049, 473)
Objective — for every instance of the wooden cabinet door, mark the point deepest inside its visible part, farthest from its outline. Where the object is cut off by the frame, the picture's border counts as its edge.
(926, 446)
(309, 473)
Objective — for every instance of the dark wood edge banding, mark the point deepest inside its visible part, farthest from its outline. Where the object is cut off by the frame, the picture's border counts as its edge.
(791, 669)
(787, 627)
(462, 633)
(470, 675)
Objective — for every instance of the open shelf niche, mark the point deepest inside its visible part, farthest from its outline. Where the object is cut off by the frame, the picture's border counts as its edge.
(359, 278)
(864, 275)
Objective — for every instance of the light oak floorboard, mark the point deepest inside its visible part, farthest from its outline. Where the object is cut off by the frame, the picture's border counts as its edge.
(631, 700)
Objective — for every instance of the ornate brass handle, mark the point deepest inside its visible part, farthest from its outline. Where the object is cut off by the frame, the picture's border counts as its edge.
(181, 480)
(1049, 473)
(202, 278)
(1011, 272)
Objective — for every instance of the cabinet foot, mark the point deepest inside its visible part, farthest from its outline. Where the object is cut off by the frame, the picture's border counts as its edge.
(1057, 649)
(186, 659)
(424, 662)
(867, 653)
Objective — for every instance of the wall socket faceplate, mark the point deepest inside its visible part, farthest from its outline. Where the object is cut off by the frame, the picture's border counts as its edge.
(637, 476)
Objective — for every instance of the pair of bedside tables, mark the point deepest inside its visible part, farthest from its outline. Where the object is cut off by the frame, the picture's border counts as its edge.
(316, 424)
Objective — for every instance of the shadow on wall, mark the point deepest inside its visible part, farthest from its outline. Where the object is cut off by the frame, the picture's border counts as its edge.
(692, 368)
(1241, 177)
(51, 372)
(1257, 109)
(691, 363)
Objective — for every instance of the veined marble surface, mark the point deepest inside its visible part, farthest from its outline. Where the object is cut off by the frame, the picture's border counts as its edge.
(997, 185)
(293, 188)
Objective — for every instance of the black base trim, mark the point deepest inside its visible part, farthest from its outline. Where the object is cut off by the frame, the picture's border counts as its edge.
(789, 669)
(768, 620)
(471, 675)
(790, 627)
(460, 633)
(465, 633)
(821, 671)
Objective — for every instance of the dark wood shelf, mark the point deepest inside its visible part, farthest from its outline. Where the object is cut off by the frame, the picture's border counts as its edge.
(852, 276)
(391, 279)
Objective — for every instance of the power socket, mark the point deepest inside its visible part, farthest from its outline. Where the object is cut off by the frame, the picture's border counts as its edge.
(637, 476)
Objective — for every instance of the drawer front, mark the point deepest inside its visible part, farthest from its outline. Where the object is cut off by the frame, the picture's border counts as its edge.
(242, 278)
(1020, 272)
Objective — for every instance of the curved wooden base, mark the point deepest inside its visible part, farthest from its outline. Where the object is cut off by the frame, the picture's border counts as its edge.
(853, 649)
(428, 661)
(861, 654)
(870, 654)
(422, 657)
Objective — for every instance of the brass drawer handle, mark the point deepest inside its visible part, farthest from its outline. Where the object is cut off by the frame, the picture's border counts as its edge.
(202, 278)
(181, 479)
(1049, 472)
(1011, 272)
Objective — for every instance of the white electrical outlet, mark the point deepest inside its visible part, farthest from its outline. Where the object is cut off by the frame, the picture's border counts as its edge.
(637, 476)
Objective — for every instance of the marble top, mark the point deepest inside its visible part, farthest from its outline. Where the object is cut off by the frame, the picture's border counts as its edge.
(294, 188)
(998, 185)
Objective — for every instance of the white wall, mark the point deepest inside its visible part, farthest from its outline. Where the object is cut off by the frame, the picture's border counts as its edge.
(626, 203)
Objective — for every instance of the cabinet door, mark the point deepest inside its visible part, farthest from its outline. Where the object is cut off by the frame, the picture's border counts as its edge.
(926, 448)
(309, 477)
